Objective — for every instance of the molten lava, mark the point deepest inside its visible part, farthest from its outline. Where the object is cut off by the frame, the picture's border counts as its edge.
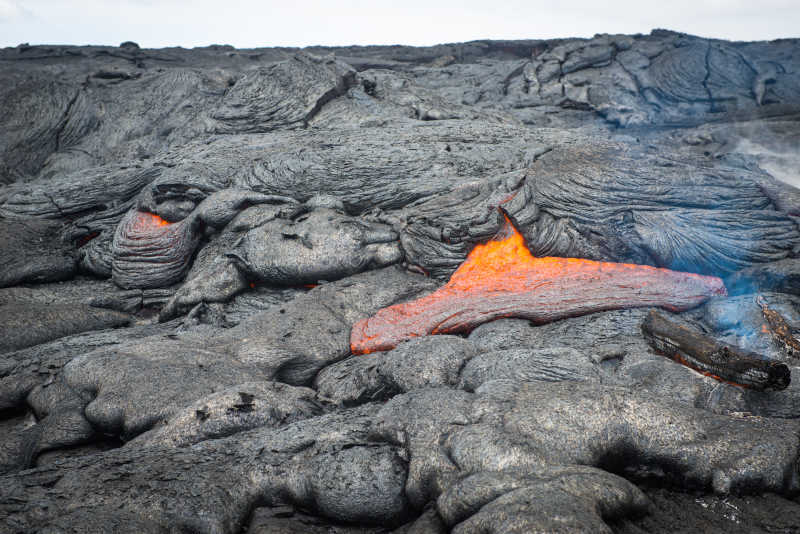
(146, 223)
(501, 278)
(151, 219)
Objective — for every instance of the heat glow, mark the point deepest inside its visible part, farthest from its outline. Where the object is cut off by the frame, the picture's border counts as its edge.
(501, 278)
(156, 220)
(504, 264)
(146, 222)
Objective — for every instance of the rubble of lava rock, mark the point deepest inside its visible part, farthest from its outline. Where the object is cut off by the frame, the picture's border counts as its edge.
(396, 289)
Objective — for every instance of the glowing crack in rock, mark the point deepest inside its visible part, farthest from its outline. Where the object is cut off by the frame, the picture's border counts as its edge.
(501, 278)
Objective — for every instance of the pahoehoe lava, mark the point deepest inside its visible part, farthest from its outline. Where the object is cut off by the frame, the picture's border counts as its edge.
(502, 279)
(198, 247)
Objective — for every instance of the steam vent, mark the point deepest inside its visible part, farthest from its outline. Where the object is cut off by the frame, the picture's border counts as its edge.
(489, 287)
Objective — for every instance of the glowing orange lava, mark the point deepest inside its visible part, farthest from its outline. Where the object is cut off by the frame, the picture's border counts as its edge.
(147, 222)
(494, 257)
(502, 264)
(501, 278)
(156, 220)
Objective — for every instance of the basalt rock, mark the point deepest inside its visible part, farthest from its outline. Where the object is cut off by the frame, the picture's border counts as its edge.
(217, 282)
(33, 251)
(132, 386)
(322, 245)
(149, 252)
(284, 95)
(12, 445)
(241, 407)
(691, 221)
(423, 362)
(618, 430)
(147, 385)
(152, 251)
(608, 348)
(714, 514)
(23, 370)
(374, 166)
(293, 342)
(212, 487)
(83, 292)
(289, 520)
(30, 324)
(499, 501)
(359, 474)
(611, 202)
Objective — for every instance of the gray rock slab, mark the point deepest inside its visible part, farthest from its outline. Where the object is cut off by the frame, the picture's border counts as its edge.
(424, 362)
(23, 370)
(521, 426)
(136, 386)
(529, 365)
(678, 512)
(33, 251)
(292, 343)
(288, 520)
(25, 325)
(323, 245)
(235, 409)
(501, 501)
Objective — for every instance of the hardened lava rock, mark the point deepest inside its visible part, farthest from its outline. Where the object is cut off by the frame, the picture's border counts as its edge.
(33, 251)
(28, 324)
(375, 464)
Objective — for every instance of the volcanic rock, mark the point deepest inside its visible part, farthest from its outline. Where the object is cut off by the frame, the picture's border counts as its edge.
(241, 407)
(33, 252)
(418, 363)
(30, 324)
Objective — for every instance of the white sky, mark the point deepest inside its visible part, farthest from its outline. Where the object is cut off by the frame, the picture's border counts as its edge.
(159, 23)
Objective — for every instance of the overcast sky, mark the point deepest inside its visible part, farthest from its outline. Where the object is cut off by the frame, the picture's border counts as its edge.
(158, 23)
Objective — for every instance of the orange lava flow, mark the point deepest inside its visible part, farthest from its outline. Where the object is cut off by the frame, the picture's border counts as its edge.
(501, 278)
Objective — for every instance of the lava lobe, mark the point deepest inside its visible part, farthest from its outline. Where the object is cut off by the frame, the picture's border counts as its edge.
(501, 278)
(148, 251)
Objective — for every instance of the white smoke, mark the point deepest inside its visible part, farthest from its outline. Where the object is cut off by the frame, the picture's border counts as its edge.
(774, 144)
(782, 165)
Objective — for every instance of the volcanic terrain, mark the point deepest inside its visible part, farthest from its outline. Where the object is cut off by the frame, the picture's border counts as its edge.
(488, 287)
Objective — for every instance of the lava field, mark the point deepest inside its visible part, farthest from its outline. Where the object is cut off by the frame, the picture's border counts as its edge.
(486, 287)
